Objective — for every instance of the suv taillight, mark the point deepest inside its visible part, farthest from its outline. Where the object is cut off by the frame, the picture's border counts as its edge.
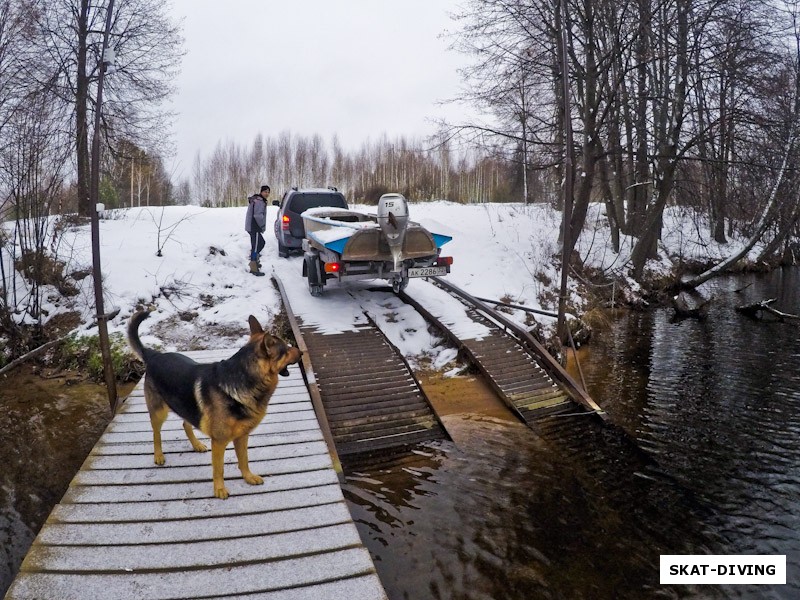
(285, 223)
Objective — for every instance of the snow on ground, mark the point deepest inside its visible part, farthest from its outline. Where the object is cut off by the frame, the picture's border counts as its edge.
(685, 237)
(500, 251)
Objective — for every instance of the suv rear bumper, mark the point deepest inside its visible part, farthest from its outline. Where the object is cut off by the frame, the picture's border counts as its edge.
(289, 241)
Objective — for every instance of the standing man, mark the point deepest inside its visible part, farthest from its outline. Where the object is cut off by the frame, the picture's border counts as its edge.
(255, 224)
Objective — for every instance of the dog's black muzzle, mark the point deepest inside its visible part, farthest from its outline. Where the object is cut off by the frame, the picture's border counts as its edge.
(285, 371)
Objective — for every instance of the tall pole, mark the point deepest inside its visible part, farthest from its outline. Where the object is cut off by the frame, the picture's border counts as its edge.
(566, 233)
(94, 197)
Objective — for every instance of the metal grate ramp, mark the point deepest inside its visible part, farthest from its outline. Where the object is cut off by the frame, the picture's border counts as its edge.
(372, 401)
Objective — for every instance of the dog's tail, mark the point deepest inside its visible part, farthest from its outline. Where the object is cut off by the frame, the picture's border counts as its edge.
(133, 335)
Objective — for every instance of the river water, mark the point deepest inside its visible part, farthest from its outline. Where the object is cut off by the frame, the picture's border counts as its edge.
(47, 429)
(705, 459)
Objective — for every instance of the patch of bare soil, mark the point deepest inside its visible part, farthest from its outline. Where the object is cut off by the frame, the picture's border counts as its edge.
(188, 336)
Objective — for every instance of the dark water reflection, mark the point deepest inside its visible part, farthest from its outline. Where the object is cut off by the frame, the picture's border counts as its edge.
(721, 411)
(574, 510)
(47, 431)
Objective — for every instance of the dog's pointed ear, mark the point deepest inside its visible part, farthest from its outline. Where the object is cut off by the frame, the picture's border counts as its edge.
(255, 326)
(272, 346)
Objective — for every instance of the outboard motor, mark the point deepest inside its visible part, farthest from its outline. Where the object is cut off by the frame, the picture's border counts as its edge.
(393, 221)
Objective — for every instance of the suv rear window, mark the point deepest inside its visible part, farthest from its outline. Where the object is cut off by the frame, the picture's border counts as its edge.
(300, 202)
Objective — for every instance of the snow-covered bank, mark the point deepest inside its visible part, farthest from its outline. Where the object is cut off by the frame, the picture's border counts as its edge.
(204, 293)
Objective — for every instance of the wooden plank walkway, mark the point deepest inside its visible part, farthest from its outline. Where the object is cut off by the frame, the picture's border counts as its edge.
(127, 529)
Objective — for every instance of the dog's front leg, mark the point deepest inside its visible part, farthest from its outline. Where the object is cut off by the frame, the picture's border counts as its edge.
(240, 444)
(218, 468)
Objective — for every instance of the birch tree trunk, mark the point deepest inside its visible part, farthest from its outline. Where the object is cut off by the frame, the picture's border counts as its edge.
(763, 223)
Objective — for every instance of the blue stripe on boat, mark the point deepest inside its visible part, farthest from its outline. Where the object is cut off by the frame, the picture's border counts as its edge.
(440, 240)
(338, 245)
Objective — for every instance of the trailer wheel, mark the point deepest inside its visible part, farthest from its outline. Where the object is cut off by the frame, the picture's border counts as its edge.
(312, 268)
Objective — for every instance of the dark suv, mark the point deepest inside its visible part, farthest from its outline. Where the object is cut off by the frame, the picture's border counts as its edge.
(289, 227)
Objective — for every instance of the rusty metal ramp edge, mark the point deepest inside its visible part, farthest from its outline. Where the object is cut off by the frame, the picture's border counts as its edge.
(372, 400)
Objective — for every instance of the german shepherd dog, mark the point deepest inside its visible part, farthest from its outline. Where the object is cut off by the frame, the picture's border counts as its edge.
(225, 400)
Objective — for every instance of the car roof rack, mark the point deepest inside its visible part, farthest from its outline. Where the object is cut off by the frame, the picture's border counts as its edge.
(332, 188)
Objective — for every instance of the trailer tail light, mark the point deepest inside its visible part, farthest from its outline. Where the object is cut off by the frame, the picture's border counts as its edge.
(443, 261)
(285, 223)
(332, 267)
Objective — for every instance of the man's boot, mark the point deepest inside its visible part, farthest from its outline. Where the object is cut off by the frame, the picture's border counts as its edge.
(254, 269)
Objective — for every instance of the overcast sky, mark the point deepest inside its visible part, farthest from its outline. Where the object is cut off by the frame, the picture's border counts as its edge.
(357, 68)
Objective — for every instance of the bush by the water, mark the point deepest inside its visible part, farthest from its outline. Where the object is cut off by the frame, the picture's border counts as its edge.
(83, 353)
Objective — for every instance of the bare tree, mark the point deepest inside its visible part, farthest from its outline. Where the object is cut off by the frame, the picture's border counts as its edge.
(147, 49)
(771, 211)
(33, 165)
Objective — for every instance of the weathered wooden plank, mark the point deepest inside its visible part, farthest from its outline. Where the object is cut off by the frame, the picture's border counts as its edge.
(179, 472)
(283, 575)
(383, 429)
(265, 428)
(182, 446)
(362, 446)
(195, 490)
(168, 532)
(297, 403)
(299, 413)
(191, 554)
(136, 406)
(238, 503)
(367, 587)
(145, 461)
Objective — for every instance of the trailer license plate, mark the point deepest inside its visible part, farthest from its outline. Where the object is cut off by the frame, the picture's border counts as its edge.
(427, 271)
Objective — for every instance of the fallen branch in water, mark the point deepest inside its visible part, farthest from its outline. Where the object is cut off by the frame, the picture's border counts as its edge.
(754, 310)
(18, 361)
